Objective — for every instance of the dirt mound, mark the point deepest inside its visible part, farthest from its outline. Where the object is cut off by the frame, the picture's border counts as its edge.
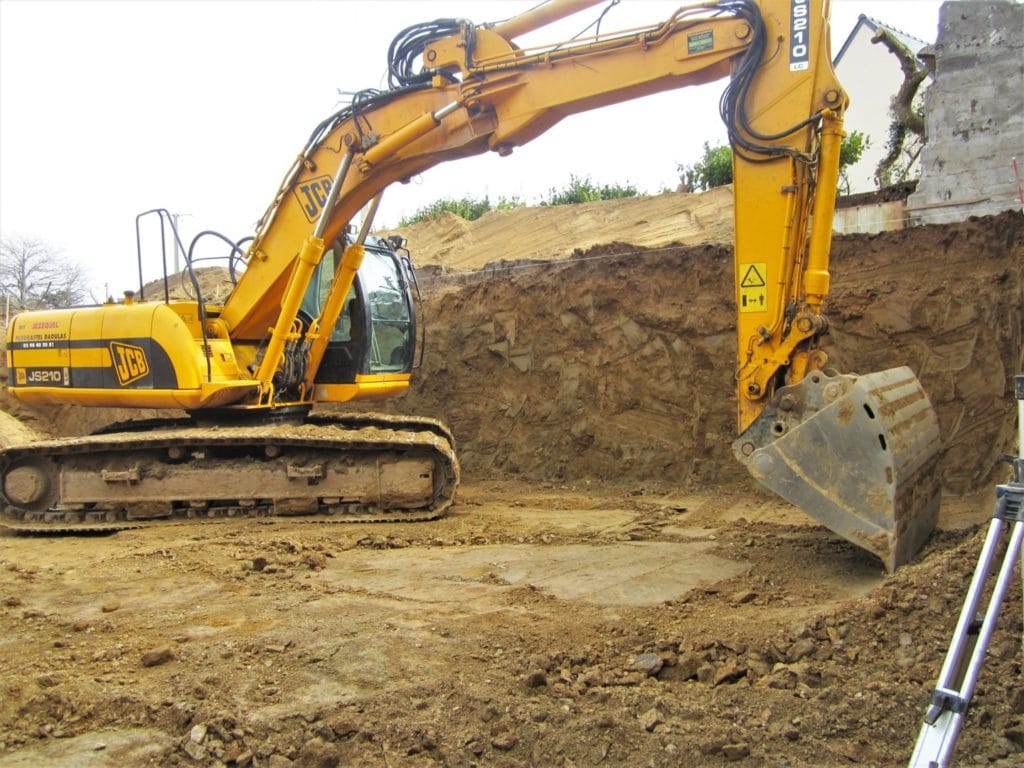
(556, 232)
(616, 362)
(213, 284)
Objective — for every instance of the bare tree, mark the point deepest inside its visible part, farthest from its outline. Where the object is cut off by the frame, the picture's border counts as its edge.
(36, 275)
(907, 131)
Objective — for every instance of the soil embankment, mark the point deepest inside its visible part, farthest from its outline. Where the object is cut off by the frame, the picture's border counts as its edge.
(617, 362)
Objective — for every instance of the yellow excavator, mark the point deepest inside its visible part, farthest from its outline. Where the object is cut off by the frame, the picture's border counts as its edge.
(325, 314)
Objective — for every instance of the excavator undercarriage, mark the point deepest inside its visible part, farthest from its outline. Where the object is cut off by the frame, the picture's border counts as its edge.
(336, 468)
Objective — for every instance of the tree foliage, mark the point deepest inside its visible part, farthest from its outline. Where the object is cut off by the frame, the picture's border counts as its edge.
(469, 208)
(35, 275)
(714, 168)
(850, 151)
(583, 190)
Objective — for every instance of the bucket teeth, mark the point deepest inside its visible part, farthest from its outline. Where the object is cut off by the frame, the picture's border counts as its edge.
(857, 453)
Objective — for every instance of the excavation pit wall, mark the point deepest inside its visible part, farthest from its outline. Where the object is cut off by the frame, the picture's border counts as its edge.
(616, 364)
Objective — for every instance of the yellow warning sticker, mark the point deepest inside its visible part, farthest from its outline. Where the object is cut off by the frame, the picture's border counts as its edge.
(754, 287)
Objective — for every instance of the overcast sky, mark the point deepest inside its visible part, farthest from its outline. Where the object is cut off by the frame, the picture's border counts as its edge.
(111, 108)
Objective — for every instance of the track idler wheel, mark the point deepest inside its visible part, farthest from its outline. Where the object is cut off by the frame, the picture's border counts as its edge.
(31, 485)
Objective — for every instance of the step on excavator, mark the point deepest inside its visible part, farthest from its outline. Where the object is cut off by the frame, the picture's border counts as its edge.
(321, 313)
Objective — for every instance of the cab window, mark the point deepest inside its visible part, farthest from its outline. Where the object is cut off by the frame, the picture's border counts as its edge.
(316, 297)
(390, 313)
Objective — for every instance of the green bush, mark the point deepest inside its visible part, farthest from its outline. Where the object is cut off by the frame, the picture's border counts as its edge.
(467, 207)
(850, 152)
(583, 190)
(714, 169)
(578, 190)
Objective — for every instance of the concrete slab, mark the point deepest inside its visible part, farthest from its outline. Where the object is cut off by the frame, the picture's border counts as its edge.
(624, 574)
(99, 749)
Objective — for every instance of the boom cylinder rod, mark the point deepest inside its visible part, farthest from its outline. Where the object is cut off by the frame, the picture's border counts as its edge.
(371, 212)
(332, 196)
(406, 135)
(309, 257)
(816, 275)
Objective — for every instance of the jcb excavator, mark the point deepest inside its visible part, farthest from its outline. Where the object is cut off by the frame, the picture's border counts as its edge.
(320, 315)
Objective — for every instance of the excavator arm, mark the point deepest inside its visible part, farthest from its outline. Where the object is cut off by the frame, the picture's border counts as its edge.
(496, 97)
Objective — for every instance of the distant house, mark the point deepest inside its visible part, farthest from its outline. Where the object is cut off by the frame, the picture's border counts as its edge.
(871, 76)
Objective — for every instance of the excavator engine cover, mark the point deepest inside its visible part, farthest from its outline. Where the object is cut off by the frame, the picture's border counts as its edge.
(858, 453)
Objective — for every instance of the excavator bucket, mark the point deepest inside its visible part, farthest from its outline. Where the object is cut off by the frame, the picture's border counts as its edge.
(858, 453)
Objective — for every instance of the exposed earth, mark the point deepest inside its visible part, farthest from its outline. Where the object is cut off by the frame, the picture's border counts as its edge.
(609, 589)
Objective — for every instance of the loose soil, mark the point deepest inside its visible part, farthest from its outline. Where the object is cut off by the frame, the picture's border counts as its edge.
(609, 589)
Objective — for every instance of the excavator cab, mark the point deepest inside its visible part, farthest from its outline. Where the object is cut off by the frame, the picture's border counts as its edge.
(375, 336)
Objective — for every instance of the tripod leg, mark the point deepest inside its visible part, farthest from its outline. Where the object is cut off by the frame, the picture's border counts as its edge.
(955, 688)
(1018, 391)
(952, 695)
(985, 635)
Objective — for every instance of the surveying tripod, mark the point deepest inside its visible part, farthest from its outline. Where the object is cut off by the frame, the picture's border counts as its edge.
(947, 708)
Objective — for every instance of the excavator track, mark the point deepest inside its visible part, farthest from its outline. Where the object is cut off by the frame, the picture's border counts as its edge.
(329, 468)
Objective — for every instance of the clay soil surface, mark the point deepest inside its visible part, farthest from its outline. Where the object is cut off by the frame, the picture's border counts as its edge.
(609, 588)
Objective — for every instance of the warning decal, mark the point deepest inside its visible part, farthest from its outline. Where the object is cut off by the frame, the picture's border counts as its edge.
(753, 287)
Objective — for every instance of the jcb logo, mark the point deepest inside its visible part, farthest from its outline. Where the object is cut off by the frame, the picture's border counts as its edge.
(312, 195)
(130, 363)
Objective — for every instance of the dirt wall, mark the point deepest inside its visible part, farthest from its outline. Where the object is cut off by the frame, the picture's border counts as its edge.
(617, 364)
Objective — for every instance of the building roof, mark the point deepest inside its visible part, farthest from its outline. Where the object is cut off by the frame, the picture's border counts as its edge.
(872, 26)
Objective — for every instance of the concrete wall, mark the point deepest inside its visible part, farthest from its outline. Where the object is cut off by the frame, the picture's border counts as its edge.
(870, 219)
(974, 114)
